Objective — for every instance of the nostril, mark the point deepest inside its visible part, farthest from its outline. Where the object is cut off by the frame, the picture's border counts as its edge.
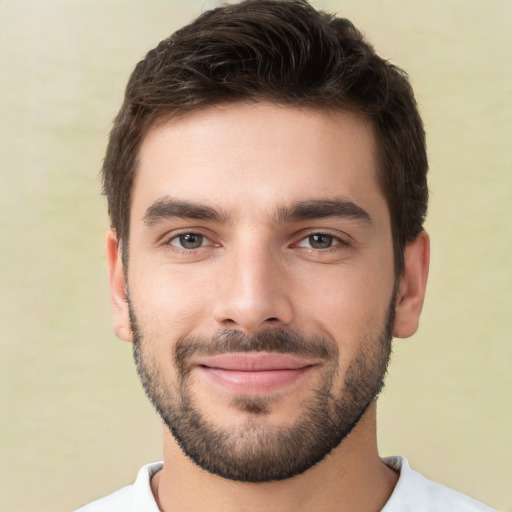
(271, 319)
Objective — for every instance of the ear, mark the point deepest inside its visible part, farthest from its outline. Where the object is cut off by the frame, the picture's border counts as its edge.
(411, 287)
(118, 294)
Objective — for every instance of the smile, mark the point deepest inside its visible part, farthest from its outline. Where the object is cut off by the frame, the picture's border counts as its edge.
(253, 372)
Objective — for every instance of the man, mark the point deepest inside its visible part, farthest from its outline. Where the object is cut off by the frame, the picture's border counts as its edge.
(266, 182)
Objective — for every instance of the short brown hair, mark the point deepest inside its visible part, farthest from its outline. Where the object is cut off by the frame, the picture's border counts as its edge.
(283, 51)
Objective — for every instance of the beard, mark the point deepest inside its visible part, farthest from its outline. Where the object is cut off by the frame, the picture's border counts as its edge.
(257, 450)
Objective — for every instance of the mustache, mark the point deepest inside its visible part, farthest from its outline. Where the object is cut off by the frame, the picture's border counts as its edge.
(275, 340)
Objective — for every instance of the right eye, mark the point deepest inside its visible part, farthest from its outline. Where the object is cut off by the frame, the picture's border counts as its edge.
(189, 241)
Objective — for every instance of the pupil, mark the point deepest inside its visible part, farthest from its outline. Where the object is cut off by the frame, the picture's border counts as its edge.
(191, 241)
(320, 241)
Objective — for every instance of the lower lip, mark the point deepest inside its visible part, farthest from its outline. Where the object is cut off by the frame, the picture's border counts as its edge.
(264, 381)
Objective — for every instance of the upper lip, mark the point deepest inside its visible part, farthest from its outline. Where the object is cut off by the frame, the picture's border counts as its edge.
(253, 362)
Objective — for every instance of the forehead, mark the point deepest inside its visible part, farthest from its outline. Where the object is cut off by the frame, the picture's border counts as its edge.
(254, 158)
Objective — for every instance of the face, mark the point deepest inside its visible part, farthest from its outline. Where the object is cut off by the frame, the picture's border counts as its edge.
(261, 284)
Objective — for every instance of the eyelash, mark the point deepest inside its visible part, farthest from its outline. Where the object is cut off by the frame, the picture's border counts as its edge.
(336, 242)
(167, 242)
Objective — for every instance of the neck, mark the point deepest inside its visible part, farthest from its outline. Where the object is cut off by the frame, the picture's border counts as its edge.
(351, 478)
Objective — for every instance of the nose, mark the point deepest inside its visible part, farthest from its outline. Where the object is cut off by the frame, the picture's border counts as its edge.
(252, 291)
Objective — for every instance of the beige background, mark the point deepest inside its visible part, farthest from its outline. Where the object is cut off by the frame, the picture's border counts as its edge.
(74, 423)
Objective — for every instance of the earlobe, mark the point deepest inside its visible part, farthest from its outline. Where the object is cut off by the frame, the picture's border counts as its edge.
(118, 294)
(412, 286)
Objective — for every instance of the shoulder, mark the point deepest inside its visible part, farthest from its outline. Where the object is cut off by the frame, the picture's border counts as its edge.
(414, 492)
(136, 497)
(117, 501)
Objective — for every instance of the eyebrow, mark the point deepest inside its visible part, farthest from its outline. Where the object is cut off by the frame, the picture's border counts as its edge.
(321, 209)
(168, 207)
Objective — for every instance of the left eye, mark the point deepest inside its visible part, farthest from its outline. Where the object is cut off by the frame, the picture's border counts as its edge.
(318, 241)
(189, 241)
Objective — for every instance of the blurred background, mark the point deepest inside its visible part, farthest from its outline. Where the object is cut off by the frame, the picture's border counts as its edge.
(74, 422)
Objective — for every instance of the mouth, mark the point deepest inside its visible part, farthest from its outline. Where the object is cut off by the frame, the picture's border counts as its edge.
(253, 372)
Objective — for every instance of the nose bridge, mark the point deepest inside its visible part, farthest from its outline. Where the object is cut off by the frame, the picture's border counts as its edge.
(251, 290)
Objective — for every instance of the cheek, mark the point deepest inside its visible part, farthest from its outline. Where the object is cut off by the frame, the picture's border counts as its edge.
(168, 300)
(348, 303)
(348, 294)
(352, 312)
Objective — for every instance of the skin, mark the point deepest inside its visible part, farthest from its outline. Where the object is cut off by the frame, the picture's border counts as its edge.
(256, 272)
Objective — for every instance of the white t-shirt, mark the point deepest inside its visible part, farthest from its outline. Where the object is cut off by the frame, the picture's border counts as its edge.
(413, 493)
